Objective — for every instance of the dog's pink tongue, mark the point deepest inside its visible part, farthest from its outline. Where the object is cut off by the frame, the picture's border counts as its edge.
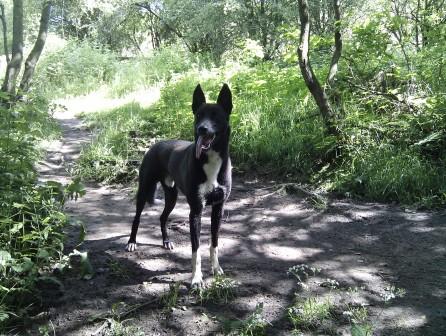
(198, 147)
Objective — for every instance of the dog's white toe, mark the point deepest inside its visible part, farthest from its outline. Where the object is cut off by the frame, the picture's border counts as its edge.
(217, 271)
(168, 245)
(131, 247)
(197, 285)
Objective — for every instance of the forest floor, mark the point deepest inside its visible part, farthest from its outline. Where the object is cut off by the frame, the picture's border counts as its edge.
(388, 259)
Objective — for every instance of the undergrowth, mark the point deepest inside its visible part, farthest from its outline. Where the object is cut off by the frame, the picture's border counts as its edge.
(387, 150)
(31, 214)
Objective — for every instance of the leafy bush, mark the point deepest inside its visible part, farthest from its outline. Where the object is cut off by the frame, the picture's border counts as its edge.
(389, 173)
(82, 67)
(78, 68)
(141, 72)
(31, 216)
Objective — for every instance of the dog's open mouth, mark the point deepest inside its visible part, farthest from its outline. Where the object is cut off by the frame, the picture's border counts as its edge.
(204, 142)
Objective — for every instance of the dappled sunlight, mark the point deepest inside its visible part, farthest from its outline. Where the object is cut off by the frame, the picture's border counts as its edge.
(101, 100)
(297, 254)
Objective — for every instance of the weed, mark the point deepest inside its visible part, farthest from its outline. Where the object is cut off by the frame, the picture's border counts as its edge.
(358, 318)
(114, 326)
(302, 272)
(310, 313)
(220, 290)
(118, 328)
(117, 269)
(169, 299)
(392, 292)
(330, 283)
(254, 325)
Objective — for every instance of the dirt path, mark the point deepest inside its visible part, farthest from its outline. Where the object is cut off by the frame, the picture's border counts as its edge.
(371, 250)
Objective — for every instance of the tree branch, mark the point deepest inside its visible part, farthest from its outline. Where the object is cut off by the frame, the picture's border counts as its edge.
(168, 26)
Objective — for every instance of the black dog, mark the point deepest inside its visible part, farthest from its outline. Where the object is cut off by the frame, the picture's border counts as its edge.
(201, 170)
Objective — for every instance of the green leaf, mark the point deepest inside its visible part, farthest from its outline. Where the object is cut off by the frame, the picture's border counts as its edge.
(82, 233)
(43, 254)
(5, 257)
(16, 228)
(86, 267)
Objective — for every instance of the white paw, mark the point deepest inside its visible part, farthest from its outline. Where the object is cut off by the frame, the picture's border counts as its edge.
(168, 245)
(131, 247)
(217, 271)
(197, 282)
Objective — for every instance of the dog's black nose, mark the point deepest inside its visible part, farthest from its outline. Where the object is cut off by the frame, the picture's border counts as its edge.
(203, 130)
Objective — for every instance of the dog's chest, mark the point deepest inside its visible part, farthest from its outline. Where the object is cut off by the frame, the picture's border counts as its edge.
(211, 170)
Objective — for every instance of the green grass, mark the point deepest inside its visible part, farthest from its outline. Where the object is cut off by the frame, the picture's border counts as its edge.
(359, 321)
(169, 299)
(220, 290)
(253, 325)
(309, 313)
(389, 173)
(83, 67)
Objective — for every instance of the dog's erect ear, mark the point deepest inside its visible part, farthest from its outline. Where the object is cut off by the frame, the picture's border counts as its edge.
(198, 98)
(225, 99)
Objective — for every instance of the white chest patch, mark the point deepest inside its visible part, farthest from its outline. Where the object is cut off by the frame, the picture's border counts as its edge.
(211, 169)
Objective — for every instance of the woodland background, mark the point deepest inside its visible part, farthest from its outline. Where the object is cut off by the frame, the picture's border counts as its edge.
(362, 114)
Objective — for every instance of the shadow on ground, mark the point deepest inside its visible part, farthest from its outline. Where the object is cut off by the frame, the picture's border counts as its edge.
(367, 248)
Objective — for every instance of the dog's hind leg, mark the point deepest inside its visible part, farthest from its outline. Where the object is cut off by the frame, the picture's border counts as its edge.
(170, 196)
(146, 193)
(217, 212)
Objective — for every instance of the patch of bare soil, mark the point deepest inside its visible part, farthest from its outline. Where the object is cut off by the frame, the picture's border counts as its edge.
(381, 257)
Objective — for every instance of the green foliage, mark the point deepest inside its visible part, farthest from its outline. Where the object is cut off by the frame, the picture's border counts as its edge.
(169, 299)
(139, 72)
(220, 290)
(358, 318)
(267, 111)
(389, 173)
(31, 215)
(310, 313)
(253, 325)
(82, 67)
(76, 69)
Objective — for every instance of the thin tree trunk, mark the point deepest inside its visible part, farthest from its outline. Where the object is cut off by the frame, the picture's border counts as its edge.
(338, 44)
(310, 78)
(13, 68)
(35, 53)
(5, 35)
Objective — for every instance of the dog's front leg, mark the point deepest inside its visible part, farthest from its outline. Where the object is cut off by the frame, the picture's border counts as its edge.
(195, 229)
(217, 212)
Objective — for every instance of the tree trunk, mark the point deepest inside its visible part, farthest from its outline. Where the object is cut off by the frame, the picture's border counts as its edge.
(310, 78)
(5, 35)
(35, 53)
(13, 68)
(338, 44)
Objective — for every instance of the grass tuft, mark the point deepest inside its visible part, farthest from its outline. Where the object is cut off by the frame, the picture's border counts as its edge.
(220, 290)
(310, 313)
(253, 325)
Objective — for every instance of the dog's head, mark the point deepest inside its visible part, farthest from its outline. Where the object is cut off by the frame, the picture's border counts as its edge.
(211, 120)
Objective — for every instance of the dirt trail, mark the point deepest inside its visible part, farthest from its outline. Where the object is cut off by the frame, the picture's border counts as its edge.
(367, 248)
